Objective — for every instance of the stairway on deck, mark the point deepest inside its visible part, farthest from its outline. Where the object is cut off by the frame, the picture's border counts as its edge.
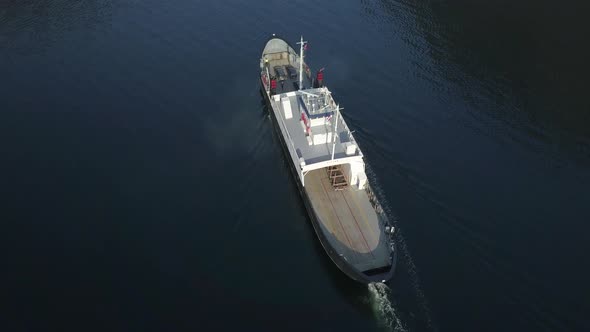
(337, 178)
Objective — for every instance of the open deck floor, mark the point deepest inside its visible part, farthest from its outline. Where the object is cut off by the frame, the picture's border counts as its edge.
(349, 222)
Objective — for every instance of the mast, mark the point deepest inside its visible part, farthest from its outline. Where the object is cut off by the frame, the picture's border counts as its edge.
(268, 77)
(335, 131)
(301, 44)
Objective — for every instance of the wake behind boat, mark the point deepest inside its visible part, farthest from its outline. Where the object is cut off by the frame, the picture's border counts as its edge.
(328, 165)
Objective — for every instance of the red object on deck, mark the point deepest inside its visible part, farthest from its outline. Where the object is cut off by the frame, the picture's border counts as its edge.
(306, 122)
(320, 76)
(273, 84)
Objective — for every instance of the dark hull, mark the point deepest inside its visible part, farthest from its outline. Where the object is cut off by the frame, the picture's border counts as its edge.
(342, 264)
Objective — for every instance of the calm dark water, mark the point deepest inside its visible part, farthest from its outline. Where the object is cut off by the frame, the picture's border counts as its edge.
(143, 187)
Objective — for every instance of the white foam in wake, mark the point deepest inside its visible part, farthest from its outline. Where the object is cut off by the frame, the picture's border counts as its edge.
(383, 309)
(402, 248)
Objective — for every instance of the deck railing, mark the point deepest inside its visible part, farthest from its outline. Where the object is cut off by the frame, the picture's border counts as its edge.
(381, 215)
(292, 149)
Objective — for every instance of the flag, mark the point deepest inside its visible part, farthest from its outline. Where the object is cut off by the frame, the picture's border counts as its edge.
(305, 46)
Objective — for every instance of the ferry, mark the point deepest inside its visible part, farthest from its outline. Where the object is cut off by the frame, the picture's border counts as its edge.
(327, 165)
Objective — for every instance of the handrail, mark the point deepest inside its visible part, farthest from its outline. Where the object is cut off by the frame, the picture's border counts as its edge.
(292, 145)
(383, 219)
